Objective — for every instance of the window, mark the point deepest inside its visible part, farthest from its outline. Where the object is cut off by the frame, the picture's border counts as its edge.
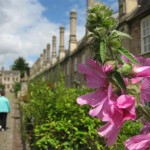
(145, 35)
(75, 64)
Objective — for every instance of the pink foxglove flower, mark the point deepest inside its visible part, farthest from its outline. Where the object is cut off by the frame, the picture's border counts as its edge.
(96, 78)
(119, 112)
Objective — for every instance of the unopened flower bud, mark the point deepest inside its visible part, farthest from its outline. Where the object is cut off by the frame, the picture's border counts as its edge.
(110, 66)
(126, 69)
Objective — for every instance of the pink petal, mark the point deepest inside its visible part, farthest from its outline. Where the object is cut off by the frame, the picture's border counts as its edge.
(109, 132)
(136, 80)
(143, 61)
(95, 82)
(98, 111)
(138, 142)
(142, 71)
(96, 67)
(84, 69)
(92, 99)
(127, 104)
(125, 101)
(94, 74)
(145, 89)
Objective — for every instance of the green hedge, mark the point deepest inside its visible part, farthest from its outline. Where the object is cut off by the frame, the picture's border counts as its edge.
(54, 120)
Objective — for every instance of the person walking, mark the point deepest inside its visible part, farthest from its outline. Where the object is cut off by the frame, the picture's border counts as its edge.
(4, 110)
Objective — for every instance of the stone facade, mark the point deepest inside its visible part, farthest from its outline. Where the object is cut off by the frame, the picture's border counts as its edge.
(131, 14)
(9, 78)
(134, 19)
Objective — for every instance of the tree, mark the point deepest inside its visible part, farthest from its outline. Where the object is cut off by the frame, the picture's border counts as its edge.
(21, 65)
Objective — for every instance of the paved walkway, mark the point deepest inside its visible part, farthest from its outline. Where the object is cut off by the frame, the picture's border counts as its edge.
(11, 138)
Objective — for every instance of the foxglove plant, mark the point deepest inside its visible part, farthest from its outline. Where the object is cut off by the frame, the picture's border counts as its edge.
(121, 81)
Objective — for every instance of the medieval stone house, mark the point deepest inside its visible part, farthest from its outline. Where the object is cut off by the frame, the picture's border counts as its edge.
(134, 19)
(8, 78)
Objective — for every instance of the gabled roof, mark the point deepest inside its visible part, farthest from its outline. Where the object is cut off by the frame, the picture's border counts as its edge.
(9, 72)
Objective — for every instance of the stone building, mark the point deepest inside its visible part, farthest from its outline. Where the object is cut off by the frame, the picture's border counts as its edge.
(9, 78)
(134, 19)
(67, 60)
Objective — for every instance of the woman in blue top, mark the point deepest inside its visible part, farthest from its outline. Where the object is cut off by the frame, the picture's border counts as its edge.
(4, 109)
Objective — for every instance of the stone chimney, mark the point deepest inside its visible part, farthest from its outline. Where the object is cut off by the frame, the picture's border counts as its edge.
(61, 44)
(89, 4)
(38, 65)
(72, 41)
(44, 56)
(48, 52)
(48, 55)
(54, 57)
(41, 62)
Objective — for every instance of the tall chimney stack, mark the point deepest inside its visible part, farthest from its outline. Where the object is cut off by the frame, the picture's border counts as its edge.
(61, 44)
(48, 52)
(89, 4)
(48, 55)
(41, 62)
(44, 56)
(72, 41)
(54, 57)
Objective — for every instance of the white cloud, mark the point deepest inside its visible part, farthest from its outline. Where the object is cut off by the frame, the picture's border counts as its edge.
(24, 31)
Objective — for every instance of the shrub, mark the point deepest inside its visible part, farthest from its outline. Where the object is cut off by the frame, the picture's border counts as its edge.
(54, 120)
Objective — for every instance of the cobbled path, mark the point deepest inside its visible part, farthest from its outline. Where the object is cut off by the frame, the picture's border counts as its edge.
(11, 138)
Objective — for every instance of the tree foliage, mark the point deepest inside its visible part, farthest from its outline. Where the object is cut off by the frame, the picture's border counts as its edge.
(21, 65)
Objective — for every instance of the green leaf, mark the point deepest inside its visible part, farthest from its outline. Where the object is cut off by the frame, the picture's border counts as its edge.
(124, 52)
(102, 51)
(121, 34)
(119, 80)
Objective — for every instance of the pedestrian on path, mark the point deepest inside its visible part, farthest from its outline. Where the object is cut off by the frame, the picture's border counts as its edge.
(4, 110)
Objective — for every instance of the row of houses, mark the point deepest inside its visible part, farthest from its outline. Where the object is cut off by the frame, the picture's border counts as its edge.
(134, 19)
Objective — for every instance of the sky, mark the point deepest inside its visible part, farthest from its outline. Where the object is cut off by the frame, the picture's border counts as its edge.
(26, 26)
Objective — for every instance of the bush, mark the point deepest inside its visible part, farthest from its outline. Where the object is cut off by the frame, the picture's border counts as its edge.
(54, 120)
